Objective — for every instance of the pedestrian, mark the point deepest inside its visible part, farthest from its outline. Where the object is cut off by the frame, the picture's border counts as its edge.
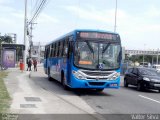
(29, 64)
(21, 65)
(35, 64)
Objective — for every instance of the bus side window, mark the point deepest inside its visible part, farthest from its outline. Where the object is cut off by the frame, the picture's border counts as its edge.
(65, 50)
(69, 50)
(45, 54)
(70, 46)
(61, 49)
(49, 51)
(52, 50)
(58, 52)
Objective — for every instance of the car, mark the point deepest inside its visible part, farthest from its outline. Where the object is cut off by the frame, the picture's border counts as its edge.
(157, 67)
(145, 64)
(143, 78)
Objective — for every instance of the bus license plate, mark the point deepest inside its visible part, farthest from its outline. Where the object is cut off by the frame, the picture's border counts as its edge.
(113, 85)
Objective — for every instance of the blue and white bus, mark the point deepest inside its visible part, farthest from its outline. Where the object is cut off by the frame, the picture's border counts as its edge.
(85, 59)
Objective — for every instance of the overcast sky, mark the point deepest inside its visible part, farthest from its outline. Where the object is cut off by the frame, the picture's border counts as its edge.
(138, 21)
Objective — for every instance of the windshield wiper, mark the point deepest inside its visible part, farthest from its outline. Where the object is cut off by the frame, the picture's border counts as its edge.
(90, 48)
(106, 47)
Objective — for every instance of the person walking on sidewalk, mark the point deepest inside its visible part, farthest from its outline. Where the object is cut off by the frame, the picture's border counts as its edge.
(29, 63)
(35, 64)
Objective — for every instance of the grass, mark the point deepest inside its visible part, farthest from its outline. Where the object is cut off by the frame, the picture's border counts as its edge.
(4, 95)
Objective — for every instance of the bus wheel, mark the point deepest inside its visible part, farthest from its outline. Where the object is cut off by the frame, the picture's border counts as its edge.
(63, 82)
(49, 76)
(99, 89)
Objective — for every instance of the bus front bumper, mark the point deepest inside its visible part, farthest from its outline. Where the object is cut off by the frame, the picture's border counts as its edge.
(94, 84)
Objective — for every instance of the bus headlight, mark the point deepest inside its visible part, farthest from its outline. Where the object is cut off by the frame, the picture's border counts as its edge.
(114, 77)
(78, 75)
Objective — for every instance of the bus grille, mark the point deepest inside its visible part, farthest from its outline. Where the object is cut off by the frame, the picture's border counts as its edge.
(97, 73)
(97, 83)
(92, 78)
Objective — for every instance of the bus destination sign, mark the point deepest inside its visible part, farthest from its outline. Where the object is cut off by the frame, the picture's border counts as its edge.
(97, 35)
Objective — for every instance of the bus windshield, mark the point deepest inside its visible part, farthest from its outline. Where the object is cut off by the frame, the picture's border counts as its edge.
(97, 55)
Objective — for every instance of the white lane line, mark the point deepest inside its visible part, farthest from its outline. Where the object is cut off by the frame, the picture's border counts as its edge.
(149, 98)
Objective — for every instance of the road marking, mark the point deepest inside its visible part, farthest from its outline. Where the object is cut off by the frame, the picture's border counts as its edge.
(149, 98)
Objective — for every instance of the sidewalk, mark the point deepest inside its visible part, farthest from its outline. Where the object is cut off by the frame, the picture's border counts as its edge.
(30, 98)
(36, 95)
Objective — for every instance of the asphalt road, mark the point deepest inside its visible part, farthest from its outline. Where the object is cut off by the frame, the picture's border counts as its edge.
(124, 101)
(54, 98)
(111, 101)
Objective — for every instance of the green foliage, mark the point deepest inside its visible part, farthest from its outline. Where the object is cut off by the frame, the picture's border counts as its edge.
(5, 39)
(4, 96)
(8, 39)
(139, 58)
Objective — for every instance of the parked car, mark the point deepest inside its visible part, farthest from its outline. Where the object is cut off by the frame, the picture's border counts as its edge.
(157, 67)
(143, 78)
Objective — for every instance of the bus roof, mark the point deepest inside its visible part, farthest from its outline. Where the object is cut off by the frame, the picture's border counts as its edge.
(79, 30)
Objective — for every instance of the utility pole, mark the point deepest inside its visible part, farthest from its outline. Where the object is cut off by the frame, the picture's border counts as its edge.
(39, 51)
(115, 24)
(25, 34)
(30, 41)
(31, 36)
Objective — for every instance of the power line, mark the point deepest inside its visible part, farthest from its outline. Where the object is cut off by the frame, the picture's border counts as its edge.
(44, 5)
(38, 10)
(36, 5)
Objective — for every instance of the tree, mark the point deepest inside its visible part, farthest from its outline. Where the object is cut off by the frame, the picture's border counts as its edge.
(5, 39)
(8, 39)
(1, 39)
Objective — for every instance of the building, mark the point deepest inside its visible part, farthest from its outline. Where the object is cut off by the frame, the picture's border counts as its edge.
(142, 52)
(37, 51)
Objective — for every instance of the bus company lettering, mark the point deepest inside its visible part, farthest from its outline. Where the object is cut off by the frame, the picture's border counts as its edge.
(96, 35)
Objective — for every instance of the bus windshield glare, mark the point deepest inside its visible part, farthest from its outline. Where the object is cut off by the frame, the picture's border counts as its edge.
(97, 55)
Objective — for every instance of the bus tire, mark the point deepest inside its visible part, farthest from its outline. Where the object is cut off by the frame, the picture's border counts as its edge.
(63, 81)
(49, 76)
